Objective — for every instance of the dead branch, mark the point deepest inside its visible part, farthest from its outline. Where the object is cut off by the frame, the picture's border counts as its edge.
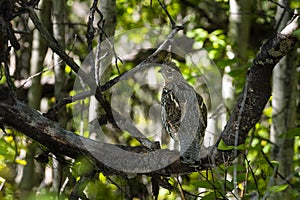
(245, 114)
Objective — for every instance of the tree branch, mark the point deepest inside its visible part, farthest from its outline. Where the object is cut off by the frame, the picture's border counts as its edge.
(254, 98)
(256, 93)
(58, 140)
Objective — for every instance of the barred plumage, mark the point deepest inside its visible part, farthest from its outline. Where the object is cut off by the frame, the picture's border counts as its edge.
(184, 113)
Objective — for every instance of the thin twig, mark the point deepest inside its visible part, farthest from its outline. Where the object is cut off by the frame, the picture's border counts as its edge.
(283, 7)
(112, 48)
(167, 42)
(8, 79)
(147, 63)
(32, 77)
(90, 28)
(236, 139)
(59, 50)
(213, 185)
(5, 51)
(68, 100)
(168, 14)
(252, 173)
(180, 189)
(119, 187)
(278, 173)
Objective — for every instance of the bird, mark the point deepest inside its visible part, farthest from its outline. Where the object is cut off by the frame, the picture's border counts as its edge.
(184, 113)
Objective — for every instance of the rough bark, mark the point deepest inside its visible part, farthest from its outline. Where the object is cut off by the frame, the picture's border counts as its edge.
(31, 172)
(245, 114)
(238, 35)
(239, 26)
(58, 13)
(283, 109)
(102, 58)
(39, 50)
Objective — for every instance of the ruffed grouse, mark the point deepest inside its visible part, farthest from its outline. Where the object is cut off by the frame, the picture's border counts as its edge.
(184, 114)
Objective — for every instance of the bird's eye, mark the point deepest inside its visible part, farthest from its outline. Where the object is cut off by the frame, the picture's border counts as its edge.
(170, 70)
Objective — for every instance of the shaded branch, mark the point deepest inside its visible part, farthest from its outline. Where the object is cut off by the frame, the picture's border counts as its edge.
(116, 159)
(256, 92)
(59, 50)
(102, 155)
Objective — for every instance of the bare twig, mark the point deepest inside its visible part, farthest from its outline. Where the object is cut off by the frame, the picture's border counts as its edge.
(4, 37)
(213, 185)
(55, 46)
(53, 136)
(58, 49)
(181, 192)
(51, 112)
(147, 63)
(275, 168)
(90, 28)
(119, 187)
(167, 42)
(236, 140)
(173, 23)
(252, 173)
(283, 7)
(32, 77)
(112, 48)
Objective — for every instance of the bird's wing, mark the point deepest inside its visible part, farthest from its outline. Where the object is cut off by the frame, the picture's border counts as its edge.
(171, 112)
(202, 110)
(193, 109)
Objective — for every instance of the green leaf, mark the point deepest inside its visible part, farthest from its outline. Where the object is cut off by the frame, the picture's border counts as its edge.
(268, 111)
(212, 196)
(291, 133)
(223, 147)
(21, 162)
(239, 168)
(6, 149)
(278, 188)
(203, 184)
(84, 167)
(217, 32)
(239, 72)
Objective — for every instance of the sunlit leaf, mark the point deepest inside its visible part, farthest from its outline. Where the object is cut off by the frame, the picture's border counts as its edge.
(204, 184)
(291, 133)
(21, 162)
(239, 168)
(278, 188)
(211, 196)
(223, 147)
(268, 111)
(68, 69)
(6, 149)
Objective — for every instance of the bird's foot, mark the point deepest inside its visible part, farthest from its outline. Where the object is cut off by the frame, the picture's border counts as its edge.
(189, 161)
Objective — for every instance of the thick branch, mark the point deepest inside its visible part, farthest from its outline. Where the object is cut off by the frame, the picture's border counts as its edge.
(107, 157)
(256, 93)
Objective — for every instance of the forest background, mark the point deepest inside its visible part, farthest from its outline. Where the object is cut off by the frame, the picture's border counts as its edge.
(48, 48)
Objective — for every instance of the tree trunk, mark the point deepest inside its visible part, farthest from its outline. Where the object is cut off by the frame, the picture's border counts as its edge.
(60, 81)
(32, 171)
(39, 50)
(238, 34)
(102, 64)
(283, 109)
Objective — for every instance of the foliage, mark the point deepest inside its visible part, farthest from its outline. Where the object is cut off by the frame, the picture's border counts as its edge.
(251, 177)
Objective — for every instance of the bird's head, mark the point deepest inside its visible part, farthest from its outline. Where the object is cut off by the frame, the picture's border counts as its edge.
(170, 72)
